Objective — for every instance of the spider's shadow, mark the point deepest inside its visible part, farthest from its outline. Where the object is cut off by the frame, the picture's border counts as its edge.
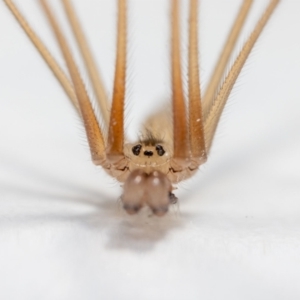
(138, 233)
(142, 231)
(252, 153)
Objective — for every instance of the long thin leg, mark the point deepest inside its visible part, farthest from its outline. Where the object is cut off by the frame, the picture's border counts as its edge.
(224, 57)
(55, 68)
(181, 141)
(214, 115)
(93, 131)
(88, 60)
(196, 130)
(116, 123)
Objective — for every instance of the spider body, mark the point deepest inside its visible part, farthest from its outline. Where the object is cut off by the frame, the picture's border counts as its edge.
(151, 167)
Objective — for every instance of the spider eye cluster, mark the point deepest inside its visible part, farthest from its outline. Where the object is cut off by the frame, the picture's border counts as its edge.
(160, 150)
(136, 149)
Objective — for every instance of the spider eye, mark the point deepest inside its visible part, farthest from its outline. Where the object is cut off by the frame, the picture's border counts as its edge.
(160, 150)
(136, 149)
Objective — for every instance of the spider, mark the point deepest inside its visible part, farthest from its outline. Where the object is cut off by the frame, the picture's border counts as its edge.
(151, 167)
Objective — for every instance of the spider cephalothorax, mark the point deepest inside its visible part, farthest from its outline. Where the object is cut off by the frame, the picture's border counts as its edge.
(150, 167)
(148, 157)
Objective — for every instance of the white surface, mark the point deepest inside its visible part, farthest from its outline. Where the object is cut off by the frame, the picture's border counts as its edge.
(236, 234)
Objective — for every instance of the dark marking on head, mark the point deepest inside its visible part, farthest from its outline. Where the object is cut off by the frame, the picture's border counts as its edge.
(136, 149)
(148, 153)
(160, 150)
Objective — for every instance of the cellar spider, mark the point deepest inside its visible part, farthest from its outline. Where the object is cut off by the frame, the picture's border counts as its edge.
(151, 167)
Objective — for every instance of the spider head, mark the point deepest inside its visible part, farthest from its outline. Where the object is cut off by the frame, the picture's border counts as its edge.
(149, 156)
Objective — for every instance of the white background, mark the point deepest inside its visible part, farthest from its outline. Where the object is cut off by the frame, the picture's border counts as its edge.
(236, 231)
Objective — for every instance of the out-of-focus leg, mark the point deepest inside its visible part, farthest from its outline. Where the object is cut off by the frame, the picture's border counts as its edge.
(89, 61)
(219, 102)
(224, 57)
(51, 62)
(116, 124)
(180, 135)
(93, 131)
(196, 131)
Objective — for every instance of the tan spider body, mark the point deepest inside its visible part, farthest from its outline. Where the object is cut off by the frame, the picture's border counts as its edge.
(165, 156)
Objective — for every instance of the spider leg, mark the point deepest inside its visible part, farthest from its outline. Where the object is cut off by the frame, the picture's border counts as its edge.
(93, 131)
(218, 72)
(116, 124)
(180, 135)
(196, 131)
(219, 102)
(53, 65)
(88, 60)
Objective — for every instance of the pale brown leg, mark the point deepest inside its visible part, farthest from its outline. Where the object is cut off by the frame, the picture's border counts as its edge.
(93, 131)
(224, 58)
(116, 124)
(55, 68)
(213, 117)
(196, 131)
(180, 136)
(89, 61)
